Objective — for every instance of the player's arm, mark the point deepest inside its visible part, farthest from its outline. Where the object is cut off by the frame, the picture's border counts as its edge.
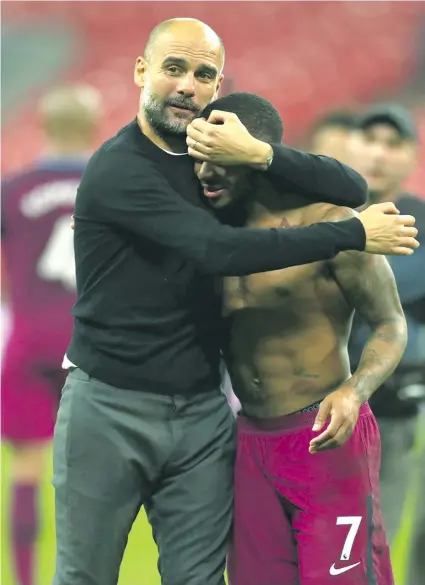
(369, 286)
(225, 140)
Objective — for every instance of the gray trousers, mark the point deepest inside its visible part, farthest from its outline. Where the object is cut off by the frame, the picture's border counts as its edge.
(397, 438)
(116, 450)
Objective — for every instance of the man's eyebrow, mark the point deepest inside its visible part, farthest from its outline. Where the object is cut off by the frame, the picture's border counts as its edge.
(183, 63)
(208, 69)
(175, 61)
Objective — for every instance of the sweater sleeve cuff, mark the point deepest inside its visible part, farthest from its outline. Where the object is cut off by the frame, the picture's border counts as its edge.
(355, 235)
(280, 158)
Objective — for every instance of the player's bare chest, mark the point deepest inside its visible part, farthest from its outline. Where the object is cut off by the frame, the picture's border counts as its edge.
(280, 288)
(271, 289)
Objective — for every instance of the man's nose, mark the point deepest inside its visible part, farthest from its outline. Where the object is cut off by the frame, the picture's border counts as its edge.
(206, 171)
(186, 85)
(378, 151)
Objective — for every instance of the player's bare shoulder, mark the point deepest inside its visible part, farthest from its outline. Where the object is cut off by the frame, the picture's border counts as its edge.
(358, 274)
(351, 259)
(327, 212)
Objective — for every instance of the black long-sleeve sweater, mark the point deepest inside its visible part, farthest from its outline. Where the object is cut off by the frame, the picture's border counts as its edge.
(147, 253)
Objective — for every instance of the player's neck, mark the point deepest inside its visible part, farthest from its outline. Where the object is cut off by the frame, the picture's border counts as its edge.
(175, 145)
(268, 205)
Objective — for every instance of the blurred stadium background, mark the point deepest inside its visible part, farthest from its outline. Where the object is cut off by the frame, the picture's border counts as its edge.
(306, 57)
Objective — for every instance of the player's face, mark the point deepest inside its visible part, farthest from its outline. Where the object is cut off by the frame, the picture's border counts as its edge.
(224, 186)
(331, 141)
(181, 79)
(382, 156)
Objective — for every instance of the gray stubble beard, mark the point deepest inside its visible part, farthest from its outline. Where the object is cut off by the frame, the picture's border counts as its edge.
(157, 118)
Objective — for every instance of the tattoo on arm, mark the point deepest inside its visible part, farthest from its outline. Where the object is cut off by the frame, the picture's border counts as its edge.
(369, 287)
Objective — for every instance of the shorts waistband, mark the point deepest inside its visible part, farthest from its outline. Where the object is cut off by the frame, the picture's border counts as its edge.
(288, 422)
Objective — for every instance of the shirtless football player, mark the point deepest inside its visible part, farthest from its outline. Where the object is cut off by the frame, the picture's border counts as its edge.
(307, 509)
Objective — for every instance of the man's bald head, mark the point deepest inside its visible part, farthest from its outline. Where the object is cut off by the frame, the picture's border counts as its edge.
(70, 115)
(181, 26)
(180, 74)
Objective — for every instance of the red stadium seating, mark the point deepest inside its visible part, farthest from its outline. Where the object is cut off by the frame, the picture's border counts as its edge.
(305, 57)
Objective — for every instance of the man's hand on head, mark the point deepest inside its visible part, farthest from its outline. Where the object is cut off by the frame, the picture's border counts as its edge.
(224, 140)
(388, 232)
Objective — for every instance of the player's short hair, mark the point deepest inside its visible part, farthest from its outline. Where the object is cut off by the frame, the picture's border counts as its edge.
(260, 117)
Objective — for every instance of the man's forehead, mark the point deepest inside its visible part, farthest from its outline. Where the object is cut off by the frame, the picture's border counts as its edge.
(331, 132)
(385, 130)
(202, 49)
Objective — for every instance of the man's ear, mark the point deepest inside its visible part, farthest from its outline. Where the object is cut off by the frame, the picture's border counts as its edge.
(219, 82)
(140, 70)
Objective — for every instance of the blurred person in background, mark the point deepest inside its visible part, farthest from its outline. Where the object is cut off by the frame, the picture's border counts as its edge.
(383, 148)
(330, 134)
(37, 245)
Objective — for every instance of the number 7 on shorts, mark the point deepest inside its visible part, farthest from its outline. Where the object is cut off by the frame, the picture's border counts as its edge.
(354, 523)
